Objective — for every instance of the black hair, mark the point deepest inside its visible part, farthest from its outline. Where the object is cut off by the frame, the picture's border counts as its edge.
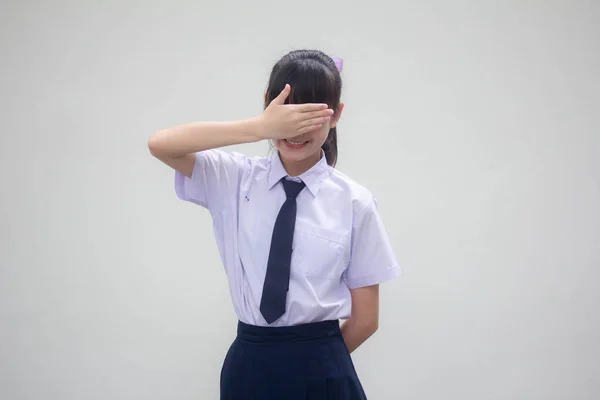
(314, 78)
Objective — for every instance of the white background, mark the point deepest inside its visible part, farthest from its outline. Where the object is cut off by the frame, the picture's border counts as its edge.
(475, 124)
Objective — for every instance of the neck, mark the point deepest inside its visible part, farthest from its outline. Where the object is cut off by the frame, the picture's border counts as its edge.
(296, 168)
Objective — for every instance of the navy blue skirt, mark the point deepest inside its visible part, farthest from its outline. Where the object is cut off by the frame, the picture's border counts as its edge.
(303, 362)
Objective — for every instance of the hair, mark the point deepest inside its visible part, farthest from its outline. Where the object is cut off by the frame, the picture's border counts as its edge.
(314, 78)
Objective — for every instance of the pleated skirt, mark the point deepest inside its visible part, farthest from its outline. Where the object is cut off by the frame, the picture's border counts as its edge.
(304, 362)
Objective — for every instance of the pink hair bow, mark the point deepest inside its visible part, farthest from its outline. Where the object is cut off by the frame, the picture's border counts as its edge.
(339, 63)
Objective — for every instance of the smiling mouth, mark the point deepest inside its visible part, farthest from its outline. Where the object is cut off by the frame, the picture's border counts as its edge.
(296, 143)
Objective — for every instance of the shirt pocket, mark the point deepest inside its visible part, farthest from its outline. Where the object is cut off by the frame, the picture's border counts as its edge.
(319, 252)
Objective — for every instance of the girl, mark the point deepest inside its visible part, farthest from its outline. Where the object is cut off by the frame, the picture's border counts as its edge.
(302, 244)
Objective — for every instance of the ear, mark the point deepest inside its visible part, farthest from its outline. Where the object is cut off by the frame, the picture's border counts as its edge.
(336, 116)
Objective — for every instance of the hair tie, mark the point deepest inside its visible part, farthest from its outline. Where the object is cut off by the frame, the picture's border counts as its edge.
(339, 63)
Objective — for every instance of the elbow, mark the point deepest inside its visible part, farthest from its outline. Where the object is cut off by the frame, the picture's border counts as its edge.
(154, 145)
(371, 324)
(376, 325)
(372, 327)
(368, 326)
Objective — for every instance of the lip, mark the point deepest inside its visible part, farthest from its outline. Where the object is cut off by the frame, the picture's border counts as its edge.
(295, 146)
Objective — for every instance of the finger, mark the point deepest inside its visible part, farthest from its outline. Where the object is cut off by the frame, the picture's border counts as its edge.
(309, 128)
(280, 99)
(309, 107)
(317, 114)
(314, 121)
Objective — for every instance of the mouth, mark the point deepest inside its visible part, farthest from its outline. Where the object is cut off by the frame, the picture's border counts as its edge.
(295, 145)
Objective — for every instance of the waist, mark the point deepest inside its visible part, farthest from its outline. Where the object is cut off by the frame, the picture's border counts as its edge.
(295, 333)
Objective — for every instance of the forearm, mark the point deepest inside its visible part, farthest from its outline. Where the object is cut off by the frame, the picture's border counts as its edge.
(199, 136)
(356, 331)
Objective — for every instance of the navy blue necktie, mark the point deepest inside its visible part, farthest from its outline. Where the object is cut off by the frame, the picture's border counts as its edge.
(277, 279)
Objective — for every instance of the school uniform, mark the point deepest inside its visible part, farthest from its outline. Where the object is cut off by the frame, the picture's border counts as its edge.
(289, 297)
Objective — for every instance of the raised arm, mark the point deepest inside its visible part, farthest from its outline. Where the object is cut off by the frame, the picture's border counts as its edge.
(176, 146)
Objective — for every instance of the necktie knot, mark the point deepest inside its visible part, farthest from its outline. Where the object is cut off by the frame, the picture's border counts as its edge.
(292, 189)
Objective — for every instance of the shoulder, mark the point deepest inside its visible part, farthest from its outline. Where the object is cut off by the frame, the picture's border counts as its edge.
(361, 197)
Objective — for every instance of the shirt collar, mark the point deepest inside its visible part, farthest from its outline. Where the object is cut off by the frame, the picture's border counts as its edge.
(313, 178)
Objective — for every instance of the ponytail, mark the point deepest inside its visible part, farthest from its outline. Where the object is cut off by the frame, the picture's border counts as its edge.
(330, 147)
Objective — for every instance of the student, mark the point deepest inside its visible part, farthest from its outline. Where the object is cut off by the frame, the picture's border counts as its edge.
(303, 245)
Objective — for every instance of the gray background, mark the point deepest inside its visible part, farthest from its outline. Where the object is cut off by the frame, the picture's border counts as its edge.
(475, 124)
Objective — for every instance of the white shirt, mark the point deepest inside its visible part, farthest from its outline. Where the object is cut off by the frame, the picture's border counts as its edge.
(340, 242)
